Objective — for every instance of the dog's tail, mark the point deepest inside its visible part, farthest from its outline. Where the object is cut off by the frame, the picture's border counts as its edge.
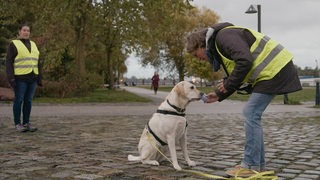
(134, 158)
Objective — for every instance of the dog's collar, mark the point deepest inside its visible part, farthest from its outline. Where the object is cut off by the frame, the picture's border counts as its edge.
(170, 113)
(175, 107)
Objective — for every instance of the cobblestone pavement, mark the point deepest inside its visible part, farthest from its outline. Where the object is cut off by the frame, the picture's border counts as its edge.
(92, 141)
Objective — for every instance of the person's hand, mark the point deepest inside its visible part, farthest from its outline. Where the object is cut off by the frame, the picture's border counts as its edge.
(39, 83)
(212, 97)
(221, 87)
(12, 83)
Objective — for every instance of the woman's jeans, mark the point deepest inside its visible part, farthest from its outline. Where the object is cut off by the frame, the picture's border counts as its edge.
(23, 92)
(254, 147)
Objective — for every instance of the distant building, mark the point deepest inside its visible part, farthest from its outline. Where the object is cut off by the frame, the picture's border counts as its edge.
(308, 81)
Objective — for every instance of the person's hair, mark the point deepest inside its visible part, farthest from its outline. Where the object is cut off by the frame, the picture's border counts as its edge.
(196, 40)
(23, 25)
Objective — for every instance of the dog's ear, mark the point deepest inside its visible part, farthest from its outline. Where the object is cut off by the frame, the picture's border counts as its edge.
(180, 89)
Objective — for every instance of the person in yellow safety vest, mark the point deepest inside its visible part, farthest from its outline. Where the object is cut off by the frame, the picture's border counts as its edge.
(253, 63)
(24, 73)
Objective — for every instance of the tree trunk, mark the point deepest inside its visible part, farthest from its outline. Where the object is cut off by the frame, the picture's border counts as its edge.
(180, 64)
(110, 70)
(181, 75)
(118, 71)
(80, 55)
(80, 27)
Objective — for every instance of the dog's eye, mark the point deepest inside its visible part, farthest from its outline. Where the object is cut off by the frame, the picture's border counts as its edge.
(192, 87)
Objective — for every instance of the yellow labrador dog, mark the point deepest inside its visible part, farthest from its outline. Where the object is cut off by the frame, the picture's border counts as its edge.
(168, 126)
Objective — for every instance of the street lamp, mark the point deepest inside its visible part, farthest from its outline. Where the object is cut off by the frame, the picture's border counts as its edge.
(317, 68)
(317, 85)
(253, 10)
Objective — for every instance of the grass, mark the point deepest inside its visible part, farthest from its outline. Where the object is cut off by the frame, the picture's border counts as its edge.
(119, 96)
(306, 94)
(98, 96)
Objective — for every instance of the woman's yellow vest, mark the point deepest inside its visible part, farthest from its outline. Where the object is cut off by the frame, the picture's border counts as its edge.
(25, 61)
(269, 58)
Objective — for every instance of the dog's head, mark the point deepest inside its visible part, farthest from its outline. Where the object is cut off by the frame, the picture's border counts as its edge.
(187, 91)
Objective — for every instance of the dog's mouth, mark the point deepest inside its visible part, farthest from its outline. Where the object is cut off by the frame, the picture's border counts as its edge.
(194, 99)
(197, 98)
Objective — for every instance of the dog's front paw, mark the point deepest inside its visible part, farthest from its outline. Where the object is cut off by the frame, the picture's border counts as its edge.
(155, 163)
(151, 162)
(192, 163)
(177, 167)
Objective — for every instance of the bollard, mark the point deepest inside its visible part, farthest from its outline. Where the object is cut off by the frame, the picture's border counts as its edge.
(285, 98)
(317, 94)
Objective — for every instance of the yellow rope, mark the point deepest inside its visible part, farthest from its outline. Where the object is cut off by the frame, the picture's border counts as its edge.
(266, 175)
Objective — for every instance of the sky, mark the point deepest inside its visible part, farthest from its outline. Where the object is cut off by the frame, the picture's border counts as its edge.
(293, 23)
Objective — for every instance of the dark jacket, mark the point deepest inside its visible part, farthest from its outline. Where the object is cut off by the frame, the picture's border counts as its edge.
(155, 81)
(12, 52)
(235, 43)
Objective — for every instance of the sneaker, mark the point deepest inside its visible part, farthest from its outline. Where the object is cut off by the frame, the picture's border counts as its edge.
(30, 128)
(239, 171)
(21, 128)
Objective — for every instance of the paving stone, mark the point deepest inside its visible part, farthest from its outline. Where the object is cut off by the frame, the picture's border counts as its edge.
(308, 163)
(70, 166)
(301, 178)
(279, 161)
(294, 171)
(312, 172)
(296, 166)
(110, 172)
(281, 178)
(286, 175)
(304, 156)
(64, 174)
(97, 146)
(88, 176)
(30, 169)
(226, 163)
(308, 176)
(4, 176)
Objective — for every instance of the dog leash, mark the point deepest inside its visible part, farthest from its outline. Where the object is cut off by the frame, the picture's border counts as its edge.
(266, 175)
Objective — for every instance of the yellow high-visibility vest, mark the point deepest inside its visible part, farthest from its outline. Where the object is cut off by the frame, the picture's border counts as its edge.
(25, 61)
(269, 58)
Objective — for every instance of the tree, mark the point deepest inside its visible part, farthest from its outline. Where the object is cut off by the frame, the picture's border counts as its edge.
(157, 42)
(79, 39)
(83, 9)
(201, 69)
(118, 19)
(168, 24)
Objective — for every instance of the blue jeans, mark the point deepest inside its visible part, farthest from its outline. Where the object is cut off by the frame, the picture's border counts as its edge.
(254, 146)
(23, 92)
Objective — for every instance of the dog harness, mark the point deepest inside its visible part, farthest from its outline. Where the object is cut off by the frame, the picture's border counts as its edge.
(166, 112)
(155, 136)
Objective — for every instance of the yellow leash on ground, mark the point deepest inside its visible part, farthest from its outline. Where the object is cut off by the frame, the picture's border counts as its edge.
(266, 175)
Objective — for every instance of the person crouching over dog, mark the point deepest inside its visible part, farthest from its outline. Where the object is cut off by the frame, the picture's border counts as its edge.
(250, 59)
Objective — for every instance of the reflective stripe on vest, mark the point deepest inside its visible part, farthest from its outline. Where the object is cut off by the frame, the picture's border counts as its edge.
(269, 58)
(26, 61)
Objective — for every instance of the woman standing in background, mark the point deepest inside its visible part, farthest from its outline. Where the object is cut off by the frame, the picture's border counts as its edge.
(155, 82)
(24, 73)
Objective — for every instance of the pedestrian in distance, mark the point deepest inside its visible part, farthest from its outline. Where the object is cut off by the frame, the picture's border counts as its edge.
(24, 73)
(254, 64)
(155, 82)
